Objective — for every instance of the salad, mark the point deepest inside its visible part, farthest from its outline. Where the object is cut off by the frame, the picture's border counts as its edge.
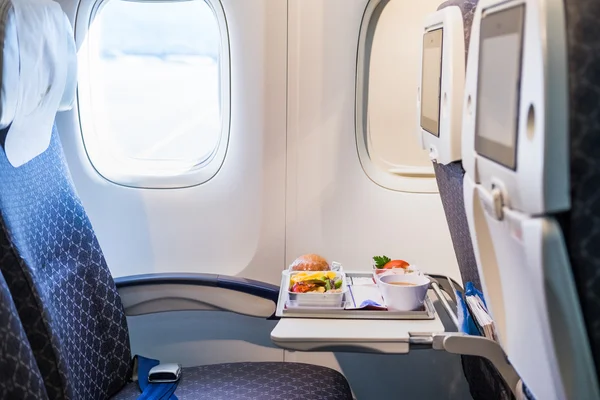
(316, 282)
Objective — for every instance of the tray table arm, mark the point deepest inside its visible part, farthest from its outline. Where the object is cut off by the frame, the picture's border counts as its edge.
(469, 345)
(463, 344)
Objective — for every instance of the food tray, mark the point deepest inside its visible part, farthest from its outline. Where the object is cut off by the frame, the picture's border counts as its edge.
(428, 311)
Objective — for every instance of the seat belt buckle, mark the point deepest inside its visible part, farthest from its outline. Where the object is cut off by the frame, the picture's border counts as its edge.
(165, 373)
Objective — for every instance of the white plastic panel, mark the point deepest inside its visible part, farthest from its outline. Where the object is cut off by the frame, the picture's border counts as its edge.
(511, 288)
(202, 337)
(381, 336)
(530, 291)
(446, 146)
(148, 299)
(540, 182)
(526, 336)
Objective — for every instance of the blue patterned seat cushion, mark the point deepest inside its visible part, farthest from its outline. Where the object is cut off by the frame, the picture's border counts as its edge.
(58, 278)
(256, 381)
(20, 377)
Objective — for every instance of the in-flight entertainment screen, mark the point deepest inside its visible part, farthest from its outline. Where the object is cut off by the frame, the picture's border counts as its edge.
(498, 86)
(431, 81)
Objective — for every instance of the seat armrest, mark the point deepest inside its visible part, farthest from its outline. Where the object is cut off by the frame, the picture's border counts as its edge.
(164, 292)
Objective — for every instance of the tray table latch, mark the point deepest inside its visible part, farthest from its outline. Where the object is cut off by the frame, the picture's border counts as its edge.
(420, 338)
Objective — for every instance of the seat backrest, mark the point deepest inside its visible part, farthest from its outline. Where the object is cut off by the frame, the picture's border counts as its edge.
(19, 373)
(59, 280)
(49, 254)
(581, 225)
(484, 380)
(531, 158)
(450, 178)
(450, 183)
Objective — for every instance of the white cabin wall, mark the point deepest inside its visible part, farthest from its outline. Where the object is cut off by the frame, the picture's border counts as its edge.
(333, 208)
(233, 224)
(253, 217)
(275, 198)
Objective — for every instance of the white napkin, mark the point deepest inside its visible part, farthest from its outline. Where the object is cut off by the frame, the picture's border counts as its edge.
(44, 51)
(10, 66)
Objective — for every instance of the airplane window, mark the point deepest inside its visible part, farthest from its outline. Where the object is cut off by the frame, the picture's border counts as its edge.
(388, 75)
(155, 91)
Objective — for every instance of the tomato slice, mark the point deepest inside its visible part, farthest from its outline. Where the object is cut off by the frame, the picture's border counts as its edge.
(303, 287)
(396, 264)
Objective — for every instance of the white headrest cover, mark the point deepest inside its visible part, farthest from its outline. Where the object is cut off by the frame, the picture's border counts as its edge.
(68, 99)
(10, 65)
(39, 76)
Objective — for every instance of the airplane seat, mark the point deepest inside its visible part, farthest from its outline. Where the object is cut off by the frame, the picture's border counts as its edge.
(449, 175)
(58, 276)
(530, 151)
(19, 373)
(581, 226)
(67, 300)
(483, 378)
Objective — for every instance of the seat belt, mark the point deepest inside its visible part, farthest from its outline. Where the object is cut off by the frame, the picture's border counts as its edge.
(151, 390)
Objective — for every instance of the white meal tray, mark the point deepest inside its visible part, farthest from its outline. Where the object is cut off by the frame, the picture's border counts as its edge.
(428, 311)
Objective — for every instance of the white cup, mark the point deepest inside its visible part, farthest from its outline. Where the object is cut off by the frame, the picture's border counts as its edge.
(403, 292)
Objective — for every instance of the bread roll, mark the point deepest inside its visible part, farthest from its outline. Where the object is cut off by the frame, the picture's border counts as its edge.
(310, 262)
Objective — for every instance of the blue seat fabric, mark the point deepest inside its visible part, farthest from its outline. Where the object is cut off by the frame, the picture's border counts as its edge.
(72, 312)
(20, 377)
(256, 381)
(59, 280)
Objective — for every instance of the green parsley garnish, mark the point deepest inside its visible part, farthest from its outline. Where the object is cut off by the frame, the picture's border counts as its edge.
(381, 261)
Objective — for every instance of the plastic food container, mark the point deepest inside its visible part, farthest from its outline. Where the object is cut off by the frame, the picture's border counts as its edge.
(315, 299)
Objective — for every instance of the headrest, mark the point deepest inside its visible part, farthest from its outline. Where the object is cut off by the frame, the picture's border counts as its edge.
(467, 8)
(39, 74)
(442, 77)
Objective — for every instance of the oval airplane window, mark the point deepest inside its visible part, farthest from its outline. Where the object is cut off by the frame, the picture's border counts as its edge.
(154, 91)
(386, 96)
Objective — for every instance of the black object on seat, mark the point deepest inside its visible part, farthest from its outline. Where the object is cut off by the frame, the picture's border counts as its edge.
(484, 380)
(70, 307)
(20, 377)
